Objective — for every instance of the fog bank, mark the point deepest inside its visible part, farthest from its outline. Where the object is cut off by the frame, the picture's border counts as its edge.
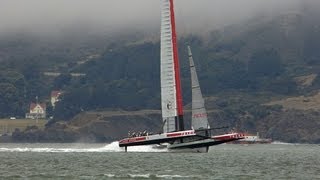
(108, 16)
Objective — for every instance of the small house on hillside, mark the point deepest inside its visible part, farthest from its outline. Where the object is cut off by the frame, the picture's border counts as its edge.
(55, 97)
(37, 111)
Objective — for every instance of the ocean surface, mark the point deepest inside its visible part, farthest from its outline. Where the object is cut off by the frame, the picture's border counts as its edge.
(108, 161)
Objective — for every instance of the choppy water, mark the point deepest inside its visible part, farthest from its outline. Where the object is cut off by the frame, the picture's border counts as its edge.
(101, 161)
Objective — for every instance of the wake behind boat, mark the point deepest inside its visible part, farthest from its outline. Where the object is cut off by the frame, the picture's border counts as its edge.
(199, 137)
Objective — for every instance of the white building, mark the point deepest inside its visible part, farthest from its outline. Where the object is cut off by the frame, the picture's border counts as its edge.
(55, 97)
(37, 111)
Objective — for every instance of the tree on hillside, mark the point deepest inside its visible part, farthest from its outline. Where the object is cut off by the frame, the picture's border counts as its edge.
(10, 104)
(265, 63)
(61, 81)
(12, 93)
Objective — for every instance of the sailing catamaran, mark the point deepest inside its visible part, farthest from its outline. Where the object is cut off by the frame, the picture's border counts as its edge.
(199, 137)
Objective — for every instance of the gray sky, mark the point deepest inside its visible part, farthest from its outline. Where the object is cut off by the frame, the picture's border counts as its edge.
(113, 15)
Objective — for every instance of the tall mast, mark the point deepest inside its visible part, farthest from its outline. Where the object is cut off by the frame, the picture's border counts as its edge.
(176, 60)
(171, 95)
(177, 68)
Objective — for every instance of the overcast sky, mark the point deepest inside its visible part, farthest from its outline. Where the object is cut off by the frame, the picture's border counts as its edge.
(113, 15)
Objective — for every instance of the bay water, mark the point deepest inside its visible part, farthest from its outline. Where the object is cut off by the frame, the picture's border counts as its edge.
(108, 161)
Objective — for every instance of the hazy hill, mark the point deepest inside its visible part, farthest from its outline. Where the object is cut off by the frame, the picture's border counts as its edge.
(246, 70)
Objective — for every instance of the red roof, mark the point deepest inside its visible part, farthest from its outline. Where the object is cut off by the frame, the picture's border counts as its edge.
(42, 105)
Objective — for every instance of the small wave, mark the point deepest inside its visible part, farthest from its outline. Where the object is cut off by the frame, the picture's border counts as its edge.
(110, 175)
(150, 176)
(112, 147)
(139, 176)
(281, 143)
(163, 176)
(167, 176)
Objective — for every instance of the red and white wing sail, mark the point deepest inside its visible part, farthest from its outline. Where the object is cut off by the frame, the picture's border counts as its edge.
(171, 98)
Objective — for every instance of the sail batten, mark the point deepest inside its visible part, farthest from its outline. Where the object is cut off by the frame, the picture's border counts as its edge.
(199, 113)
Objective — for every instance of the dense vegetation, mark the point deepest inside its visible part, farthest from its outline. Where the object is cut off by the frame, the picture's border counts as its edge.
(244, 67)
(263, 59)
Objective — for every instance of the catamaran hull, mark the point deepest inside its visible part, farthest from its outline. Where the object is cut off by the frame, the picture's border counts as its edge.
(181, 140)
(149, 142)
(198, 144)
(157, 138)
(206, 143)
